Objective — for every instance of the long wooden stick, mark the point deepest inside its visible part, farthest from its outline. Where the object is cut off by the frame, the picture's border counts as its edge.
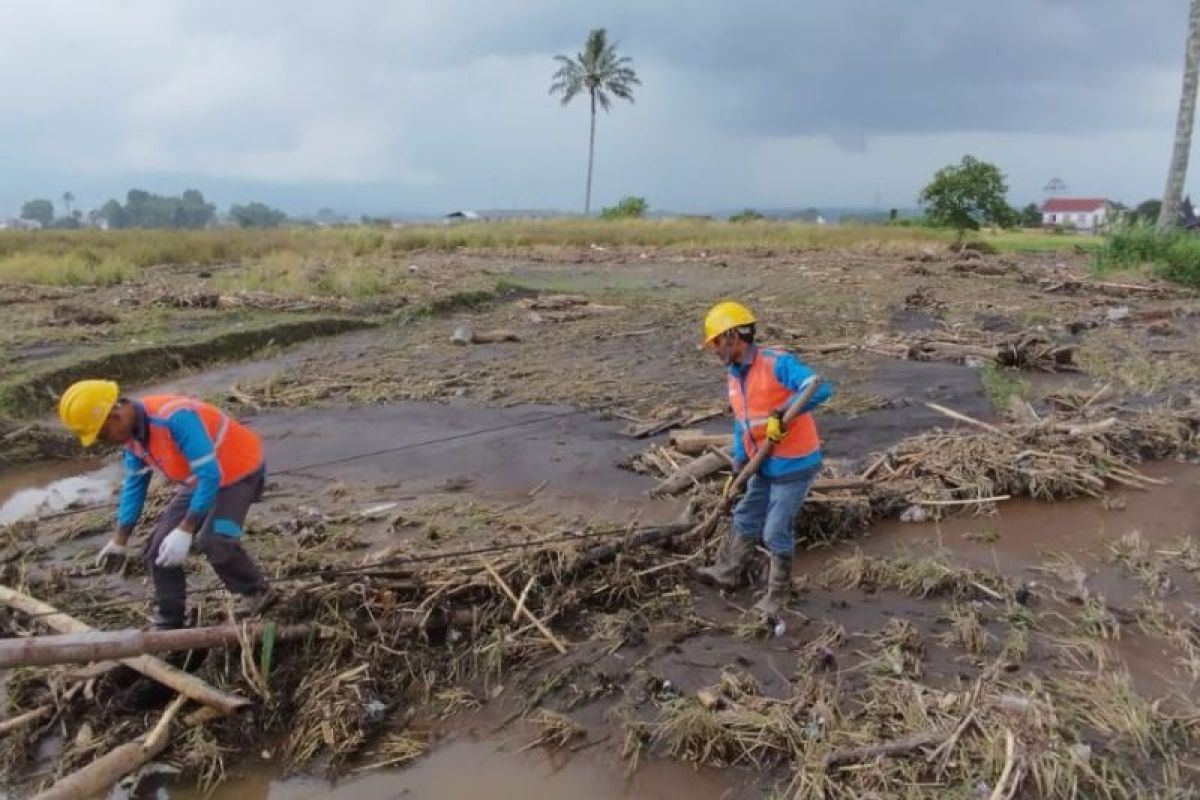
(952, 414)
(83, 648)
(12, 723)
(103, 773)
(151, 667)
(541, 626)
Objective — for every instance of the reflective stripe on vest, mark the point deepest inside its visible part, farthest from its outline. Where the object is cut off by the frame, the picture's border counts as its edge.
(236, 449)
(754, 397)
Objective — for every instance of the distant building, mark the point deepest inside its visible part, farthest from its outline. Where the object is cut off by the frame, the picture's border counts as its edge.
(20, 224)
(1082, 213)
(461, 216)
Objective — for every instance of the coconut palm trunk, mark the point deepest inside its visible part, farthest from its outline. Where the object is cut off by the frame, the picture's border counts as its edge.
(587, 198)
(1169, 214)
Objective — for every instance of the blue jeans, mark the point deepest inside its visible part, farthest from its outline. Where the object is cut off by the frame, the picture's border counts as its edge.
(768, 511)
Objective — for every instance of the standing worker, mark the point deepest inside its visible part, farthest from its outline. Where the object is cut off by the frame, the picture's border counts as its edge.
(762, 384)
(217, 464)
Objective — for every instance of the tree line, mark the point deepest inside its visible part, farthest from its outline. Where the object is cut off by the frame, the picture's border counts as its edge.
(141, 209)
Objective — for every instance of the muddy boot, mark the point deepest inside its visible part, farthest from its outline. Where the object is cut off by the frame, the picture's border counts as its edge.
(254, 604)
(726, 571)
(779, 586)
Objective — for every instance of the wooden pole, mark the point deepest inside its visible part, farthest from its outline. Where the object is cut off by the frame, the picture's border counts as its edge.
(151, 667)
(102, 774)
(83, 648)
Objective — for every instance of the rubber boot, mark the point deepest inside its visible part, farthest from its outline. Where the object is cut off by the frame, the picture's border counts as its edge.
(726, 571)
(255, 604)
(779, 586)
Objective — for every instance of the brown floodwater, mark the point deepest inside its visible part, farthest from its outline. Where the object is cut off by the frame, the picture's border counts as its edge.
(469, 769)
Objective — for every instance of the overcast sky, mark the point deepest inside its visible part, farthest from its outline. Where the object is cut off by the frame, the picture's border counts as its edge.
(433, 105)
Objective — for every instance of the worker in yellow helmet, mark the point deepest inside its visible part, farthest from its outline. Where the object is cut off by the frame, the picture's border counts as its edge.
(216, 462)
(761, 384)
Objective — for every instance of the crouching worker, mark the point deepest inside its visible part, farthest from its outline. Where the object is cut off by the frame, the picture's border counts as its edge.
(762, 384)
(217, 464)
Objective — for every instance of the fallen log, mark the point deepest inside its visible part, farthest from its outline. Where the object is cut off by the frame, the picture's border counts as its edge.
(83, 648)
(695, 470)
(151, 667)
(104, 773)
(694, 443)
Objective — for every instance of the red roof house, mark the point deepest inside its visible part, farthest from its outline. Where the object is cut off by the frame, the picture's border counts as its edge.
(1084, 213)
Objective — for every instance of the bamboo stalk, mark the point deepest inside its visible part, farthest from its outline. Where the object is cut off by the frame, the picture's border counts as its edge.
(151, 667)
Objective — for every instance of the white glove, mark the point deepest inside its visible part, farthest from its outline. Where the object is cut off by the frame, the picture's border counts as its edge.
(174, 549)
(111, 549)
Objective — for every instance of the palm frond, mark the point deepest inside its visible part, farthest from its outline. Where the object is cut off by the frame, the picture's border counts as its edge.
(597, 69)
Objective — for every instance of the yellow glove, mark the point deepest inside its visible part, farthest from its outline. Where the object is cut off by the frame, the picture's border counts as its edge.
(775, 429)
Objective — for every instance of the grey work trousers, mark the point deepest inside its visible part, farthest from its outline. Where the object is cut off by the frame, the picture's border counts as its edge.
(229, 559)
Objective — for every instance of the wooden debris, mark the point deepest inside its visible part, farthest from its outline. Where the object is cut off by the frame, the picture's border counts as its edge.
(164, 673)
(83, 648)
(856, 755)
(104, 773)
(695, 470)
(13, 723)
(537, 623)
(694, 443)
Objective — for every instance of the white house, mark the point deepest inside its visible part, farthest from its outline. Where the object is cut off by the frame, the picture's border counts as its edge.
(1083, 213)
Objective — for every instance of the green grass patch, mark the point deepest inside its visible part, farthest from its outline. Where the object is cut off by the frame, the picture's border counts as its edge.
(1002, 385)
(1173, 256)
(1035, 241)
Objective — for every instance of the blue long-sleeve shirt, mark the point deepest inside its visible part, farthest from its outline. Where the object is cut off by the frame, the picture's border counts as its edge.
(187, 431)
(794, 374)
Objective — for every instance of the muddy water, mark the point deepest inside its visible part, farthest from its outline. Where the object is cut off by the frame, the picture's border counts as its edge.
(1026, 532)
(466, 770)
(564, 457)
(39, 489)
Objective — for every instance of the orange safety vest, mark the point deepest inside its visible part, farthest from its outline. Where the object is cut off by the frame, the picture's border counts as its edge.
(237, 449)
(754, 396)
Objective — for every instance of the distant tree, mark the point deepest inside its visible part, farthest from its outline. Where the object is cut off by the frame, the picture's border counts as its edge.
(257, 215)
(746, 215)
(1055, 186)
(1168, 215)
(40, 211)
(599, 72)
(628, 208)
(114, 214)
(1031, 216)
(964, 195)
(68, 199)
(145, 210)
(1147, 211)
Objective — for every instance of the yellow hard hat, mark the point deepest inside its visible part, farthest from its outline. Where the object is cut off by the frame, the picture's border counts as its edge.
(84, 407)
(724, 316)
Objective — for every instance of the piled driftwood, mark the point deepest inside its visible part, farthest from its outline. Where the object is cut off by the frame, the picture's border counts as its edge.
(1029, 350)
(1075, 450)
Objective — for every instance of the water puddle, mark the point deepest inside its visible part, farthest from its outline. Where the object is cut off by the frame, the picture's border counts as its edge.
(466, 770)
(37, 490)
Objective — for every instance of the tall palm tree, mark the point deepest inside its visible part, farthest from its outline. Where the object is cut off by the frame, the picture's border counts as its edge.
(600, 72)
(1169, 214)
